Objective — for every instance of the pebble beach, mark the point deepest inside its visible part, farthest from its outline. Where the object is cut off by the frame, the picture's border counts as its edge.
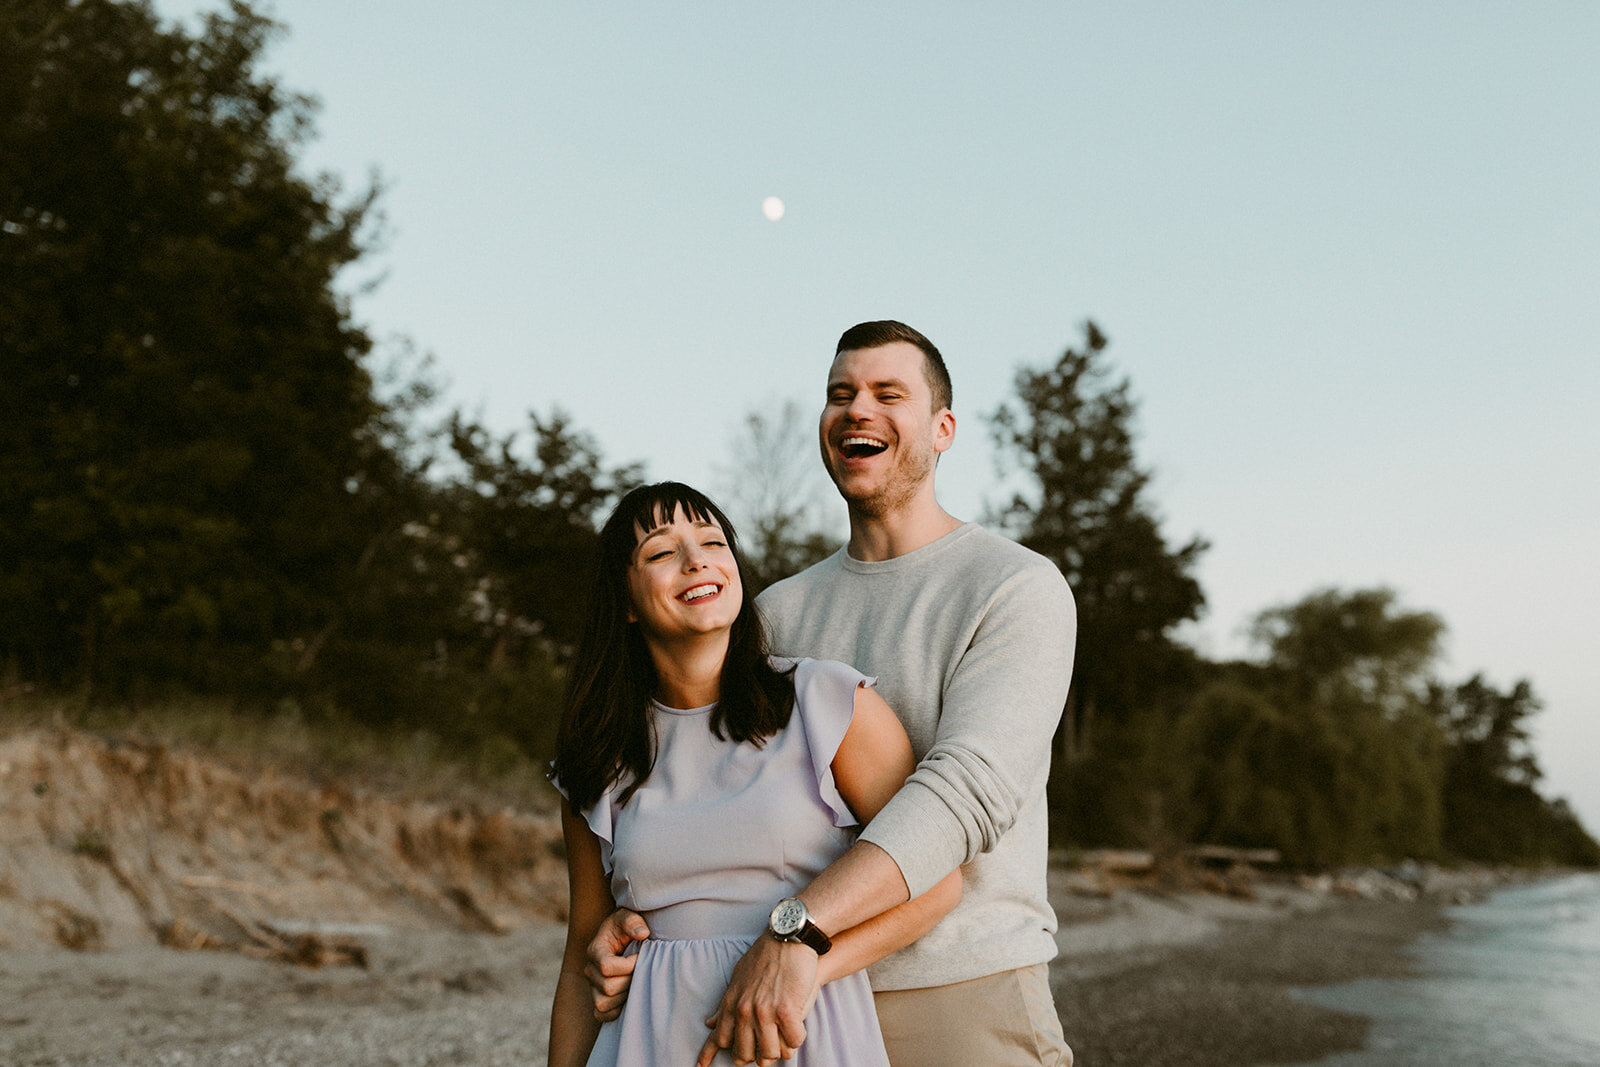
(1144, 977)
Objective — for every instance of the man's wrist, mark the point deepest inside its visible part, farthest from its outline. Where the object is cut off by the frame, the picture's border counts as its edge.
(791, 922)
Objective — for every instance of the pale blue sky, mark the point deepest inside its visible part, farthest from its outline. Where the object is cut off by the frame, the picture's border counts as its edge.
(1349, 255)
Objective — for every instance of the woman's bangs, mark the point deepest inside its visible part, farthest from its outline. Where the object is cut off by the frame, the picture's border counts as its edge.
(660, 504)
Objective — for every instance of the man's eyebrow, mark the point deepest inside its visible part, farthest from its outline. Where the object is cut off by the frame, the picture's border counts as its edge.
(882, 383)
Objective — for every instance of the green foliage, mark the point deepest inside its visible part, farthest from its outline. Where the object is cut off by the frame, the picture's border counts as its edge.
(1487, 729)
(771, 492)
(1349, 671)
(1335, 751)
(186, 419)
(1332, 645)
(1492, 811)
(1343, 748)
(528, 528)
(202, 486)
(1087, 511)
(1237, 761)
(466, 610)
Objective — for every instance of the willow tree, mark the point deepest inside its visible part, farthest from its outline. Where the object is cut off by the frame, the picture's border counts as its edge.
(1352, 672)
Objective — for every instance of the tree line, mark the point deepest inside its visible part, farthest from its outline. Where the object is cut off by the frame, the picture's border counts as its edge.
(1339, 744)
(213, 481)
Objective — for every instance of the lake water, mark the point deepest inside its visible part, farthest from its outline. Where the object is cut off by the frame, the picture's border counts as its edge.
(1515, 980)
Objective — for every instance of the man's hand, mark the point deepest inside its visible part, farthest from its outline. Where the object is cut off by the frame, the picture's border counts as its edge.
(609, 972)
(762, 1015)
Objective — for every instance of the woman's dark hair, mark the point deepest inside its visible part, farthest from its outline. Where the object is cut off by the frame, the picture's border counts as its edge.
(605, 735)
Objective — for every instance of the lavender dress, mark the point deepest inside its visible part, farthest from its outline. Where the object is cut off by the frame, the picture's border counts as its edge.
(717, 835)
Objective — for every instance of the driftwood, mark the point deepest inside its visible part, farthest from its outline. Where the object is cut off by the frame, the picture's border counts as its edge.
(1119, 861)
(1223, 856)
(261, 941)
(1211, 868)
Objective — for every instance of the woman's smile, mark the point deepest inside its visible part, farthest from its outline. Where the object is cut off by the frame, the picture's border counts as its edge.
(684, 580)
(699, 593)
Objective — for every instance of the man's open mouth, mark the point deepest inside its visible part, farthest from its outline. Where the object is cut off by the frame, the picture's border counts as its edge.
(860, 447)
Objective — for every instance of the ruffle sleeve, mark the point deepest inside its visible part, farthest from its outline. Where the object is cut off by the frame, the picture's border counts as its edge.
(601, 818)
(825, 701)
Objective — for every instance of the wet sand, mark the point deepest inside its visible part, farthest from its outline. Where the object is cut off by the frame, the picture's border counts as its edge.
(1226, 999)
(1145, 978)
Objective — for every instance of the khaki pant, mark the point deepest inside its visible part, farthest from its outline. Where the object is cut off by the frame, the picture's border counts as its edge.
(1002, 1020)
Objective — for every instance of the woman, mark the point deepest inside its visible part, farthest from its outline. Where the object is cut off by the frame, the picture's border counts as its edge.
(704, 782)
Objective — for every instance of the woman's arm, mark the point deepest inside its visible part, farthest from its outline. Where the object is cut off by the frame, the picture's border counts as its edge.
(573, 1025)
(872, 763)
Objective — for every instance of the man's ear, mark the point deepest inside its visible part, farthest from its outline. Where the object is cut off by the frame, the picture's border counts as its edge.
(944, 430)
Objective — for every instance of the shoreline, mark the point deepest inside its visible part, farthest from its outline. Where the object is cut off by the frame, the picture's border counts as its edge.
(1227, 998)
(1145, 977)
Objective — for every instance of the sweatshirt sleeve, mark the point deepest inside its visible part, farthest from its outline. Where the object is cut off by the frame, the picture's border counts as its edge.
(991, 752)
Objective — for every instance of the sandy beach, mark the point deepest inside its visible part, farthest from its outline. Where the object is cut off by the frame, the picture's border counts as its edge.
(1144, 978)
(161, 907)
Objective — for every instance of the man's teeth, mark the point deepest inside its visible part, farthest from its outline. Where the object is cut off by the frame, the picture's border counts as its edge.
(700, 592)
(863, 443)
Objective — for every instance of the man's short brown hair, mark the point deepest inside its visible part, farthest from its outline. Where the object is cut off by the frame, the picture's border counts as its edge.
(887, 332)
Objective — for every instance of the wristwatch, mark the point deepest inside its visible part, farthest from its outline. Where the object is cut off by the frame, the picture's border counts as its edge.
(790, 921)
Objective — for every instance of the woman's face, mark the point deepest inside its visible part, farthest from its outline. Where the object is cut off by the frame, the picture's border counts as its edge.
(683, 580)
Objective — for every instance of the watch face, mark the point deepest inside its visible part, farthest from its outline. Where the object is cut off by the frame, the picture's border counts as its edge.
(788, 917)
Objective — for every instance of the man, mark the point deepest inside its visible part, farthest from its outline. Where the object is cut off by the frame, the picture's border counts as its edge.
(971, 637)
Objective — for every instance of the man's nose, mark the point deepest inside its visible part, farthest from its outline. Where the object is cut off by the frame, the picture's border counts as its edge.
(860, 406)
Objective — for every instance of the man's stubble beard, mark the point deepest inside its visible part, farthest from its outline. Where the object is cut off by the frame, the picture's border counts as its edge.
(896, 491)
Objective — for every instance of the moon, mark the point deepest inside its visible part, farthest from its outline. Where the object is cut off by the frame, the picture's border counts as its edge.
(772, 208)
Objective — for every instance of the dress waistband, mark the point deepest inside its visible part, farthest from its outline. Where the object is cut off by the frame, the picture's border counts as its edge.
(695, 919)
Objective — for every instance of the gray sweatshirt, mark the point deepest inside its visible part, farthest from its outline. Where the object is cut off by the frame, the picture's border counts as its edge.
(971, 638)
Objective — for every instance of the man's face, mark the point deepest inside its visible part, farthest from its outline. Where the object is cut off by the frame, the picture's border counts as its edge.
(879, 433)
